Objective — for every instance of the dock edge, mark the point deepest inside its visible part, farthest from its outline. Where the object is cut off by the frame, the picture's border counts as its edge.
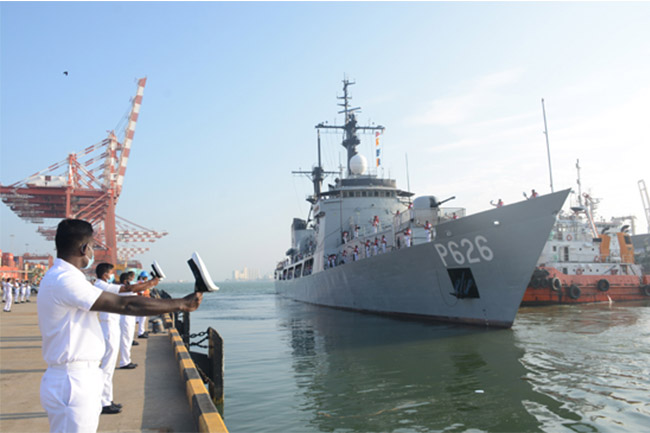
(205, 414)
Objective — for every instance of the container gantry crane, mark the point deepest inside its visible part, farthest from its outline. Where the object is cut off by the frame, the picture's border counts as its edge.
(86, 185)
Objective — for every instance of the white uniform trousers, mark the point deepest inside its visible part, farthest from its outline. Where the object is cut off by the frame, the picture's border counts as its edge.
(127, 328)
(23, 293)
(71, 397)
(142, 324)
(111, 331)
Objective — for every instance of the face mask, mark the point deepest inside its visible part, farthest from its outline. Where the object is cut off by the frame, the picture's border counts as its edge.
(92, 259)
(111, 279)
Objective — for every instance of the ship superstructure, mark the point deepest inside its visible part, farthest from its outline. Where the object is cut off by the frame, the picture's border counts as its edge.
(371, 246)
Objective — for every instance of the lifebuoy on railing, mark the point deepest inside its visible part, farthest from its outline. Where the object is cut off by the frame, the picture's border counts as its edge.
(597, 259)
(569, 237)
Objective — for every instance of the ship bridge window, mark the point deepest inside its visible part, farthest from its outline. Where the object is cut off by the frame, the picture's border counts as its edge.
(290, 274)
(376, 193)
(364, 193)
(298, 272)
(357, 193)
(284, 274)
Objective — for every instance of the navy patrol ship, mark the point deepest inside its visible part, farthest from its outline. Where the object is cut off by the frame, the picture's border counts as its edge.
(372, 247)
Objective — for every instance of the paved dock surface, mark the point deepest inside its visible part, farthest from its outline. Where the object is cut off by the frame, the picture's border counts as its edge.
(153, 394)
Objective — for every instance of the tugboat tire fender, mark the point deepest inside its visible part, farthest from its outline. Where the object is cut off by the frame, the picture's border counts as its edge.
(646, 290)
(573, 291)
(556, 284)
(603, 285)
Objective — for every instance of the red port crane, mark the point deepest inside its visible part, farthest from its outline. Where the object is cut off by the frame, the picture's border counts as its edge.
(86, 185)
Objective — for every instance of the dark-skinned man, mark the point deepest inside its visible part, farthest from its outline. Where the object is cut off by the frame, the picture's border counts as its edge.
(110, 324)
(73, 343)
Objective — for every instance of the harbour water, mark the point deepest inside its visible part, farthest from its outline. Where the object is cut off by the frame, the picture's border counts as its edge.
(301, 368)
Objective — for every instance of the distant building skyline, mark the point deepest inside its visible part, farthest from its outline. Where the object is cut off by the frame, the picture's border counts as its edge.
(246, 274)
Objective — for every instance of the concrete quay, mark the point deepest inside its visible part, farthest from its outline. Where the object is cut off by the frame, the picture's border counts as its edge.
(156, 397)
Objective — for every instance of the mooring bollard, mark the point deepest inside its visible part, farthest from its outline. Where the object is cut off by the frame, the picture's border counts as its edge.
(215, 356)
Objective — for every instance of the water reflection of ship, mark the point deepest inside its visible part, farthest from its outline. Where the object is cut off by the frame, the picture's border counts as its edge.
(368, 373)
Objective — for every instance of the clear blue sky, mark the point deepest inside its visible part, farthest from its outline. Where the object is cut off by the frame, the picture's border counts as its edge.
(234, 91)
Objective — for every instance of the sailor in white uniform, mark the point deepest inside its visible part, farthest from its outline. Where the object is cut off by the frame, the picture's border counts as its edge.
(73, 344)
(23, 291)
(127, 327)
(9, 294)
(110, 324)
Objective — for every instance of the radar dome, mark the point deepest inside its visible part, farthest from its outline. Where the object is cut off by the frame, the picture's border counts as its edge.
(358, 164)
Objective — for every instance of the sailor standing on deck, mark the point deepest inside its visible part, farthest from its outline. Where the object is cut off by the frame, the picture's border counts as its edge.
(383, 244)
(73, 344)
(429, 229)
(407, 237)
(498, 204)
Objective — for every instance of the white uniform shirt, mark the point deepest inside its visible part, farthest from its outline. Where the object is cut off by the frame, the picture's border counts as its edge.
(112, 288)
(70, 331)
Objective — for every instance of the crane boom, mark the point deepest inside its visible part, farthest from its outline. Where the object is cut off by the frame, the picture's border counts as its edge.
(128, 136)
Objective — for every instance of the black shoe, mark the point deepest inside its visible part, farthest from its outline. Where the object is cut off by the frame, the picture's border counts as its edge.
(143, 336)
(135, 343)
(111, 410)
(117, 405)
(129, 366)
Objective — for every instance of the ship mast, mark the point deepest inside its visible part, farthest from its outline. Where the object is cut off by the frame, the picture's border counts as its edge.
(548, 148)
(350, 140)
(317, 175)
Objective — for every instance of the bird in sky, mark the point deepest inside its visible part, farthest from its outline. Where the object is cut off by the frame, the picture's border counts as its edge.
(65, 73)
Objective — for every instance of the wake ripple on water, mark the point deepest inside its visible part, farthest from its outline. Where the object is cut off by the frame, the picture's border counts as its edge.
(592, 361)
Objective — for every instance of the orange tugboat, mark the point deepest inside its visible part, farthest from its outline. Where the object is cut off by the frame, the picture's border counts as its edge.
(587, 261)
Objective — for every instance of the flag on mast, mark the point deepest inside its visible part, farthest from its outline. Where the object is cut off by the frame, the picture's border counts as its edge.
(377, 148)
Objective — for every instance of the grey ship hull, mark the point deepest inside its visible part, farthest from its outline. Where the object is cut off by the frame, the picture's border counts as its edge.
(500, 248)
